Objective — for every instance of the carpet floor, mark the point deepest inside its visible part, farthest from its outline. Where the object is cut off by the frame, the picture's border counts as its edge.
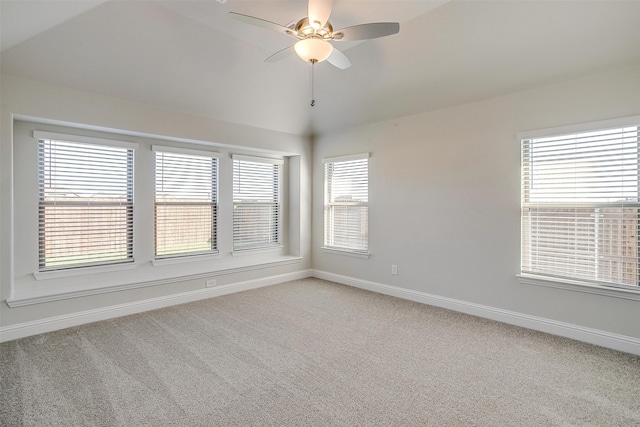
(312, 353)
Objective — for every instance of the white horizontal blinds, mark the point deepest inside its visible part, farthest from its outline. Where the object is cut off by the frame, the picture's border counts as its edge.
(186, 203)
(85, 204)
(346, 213)
(580, 213)
(256, 202)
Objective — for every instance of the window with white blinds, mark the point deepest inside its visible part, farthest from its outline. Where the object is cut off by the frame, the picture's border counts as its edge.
(346, 212)
(85, 212)
(186, 202)
(256, 202)
(580, 207)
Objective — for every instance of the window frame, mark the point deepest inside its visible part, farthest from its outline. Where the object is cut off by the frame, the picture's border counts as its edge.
(43, 271)
(28, 286)
(328, 206)
(568, 283)
(278, 163)
(214, 203)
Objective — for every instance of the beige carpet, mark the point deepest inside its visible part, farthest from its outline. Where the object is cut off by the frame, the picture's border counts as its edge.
(312, 353)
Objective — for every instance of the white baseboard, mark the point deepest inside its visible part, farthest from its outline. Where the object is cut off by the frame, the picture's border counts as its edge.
(21, 330)
(593, 336)
(602, 338)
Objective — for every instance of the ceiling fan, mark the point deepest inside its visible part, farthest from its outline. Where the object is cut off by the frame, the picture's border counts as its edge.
(314, 32)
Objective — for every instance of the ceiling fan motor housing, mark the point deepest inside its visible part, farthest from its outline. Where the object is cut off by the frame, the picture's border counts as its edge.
(304, 30)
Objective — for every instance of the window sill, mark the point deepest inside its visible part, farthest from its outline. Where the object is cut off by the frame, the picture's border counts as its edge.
(45, 293)
(576, 285)
(254, 251)
(184, 259)
(363, 255)
(55, 274)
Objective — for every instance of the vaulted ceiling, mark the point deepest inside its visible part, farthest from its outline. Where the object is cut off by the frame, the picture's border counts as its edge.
(189, 56)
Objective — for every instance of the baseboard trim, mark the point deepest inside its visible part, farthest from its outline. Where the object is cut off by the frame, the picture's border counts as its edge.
(21, 330)
(593, 336)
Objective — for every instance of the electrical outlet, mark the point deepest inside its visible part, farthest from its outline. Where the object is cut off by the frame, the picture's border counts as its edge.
(394, 269)
(211, 283)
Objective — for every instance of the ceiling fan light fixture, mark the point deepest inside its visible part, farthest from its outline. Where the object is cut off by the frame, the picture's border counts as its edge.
(313, 50)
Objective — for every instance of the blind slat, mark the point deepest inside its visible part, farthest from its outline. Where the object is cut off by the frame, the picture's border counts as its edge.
(580, 212)
(186, 202)
(85, 204)
(346, 200)
(256, 203)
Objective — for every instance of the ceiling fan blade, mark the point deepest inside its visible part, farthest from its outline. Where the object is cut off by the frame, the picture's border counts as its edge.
(281, 54)
(252, 20)
(339, 59)
(366, 31)
(319, 11)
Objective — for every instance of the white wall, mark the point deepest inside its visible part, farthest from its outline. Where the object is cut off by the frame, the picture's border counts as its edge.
(444, 195)
(444, 200)
(47, 103)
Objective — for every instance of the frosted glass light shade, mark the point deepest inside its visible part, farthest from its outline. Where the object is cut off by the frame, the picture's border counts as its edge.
(313, 50)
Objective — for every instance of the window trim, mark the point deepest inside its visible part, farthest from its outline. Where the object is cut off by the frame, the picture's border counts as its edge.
(40, 134)
(580, 127)
(527, 278)
(73, 270)
(83, 271)
(176, 257)
(278, 246)
(26, 289)
(339, 250)
(578, 286)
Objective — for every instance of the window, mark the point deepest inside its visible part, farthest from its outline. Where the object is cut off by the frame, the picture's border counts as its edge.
(580, 210)
(85, 207)
(186, 202)
(256, 202)
(80, 235)
(346, 212)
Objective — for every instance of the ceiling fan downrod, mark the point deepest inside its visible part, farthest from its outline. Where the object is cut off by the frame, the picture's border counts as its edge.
(313, 66)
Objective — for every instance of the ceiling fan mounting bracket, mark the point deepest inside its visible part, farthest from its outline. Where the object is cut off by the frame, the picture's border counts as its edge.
(304, 30)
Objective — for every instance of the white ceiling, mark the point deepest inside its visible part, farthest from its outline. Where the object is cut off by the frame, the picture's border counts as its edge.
(188, 56)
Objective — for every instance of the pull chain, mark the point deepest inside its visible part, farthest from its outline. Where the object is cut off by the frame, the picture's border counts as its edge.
(313, 100)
